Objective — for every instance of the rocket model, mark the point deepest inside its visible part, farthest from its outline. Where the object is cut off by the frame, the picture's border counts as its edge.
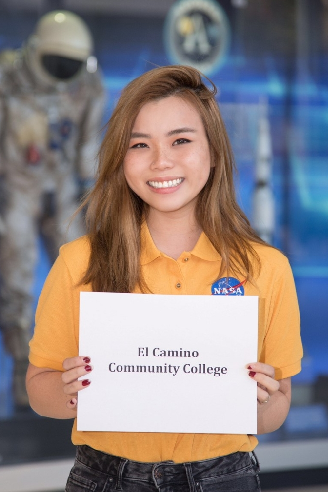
(263, 200)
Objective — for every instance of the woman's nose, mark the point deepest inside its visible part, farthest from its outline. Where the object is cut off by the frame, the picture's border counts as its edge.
(161, 159)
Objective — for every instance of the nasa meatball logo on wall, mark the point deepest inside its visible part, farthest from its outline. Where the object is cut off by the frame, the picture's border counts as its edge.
(228, 286)
(197, 33)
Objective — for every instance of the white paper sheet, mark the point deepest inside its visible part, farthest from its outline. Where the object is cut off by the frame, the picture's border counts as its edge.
(168, 363)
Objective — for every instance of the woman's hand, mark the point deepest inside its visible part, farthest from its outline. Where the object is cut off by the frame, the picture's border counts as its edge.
(273, 397)
(75, 367)
(267, 386)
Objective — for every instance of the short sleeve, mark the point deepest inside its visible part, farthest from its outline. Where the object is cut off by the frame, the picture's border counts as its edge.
(282, 346)
(56, 323)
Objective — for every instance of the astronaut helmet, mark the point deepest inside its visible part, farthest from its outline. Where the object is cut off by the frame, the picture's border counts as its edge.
(59, 48)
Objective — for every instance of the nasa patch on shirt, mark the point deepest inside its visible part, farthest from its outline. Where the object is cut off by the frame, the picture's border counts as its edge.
(228, 286)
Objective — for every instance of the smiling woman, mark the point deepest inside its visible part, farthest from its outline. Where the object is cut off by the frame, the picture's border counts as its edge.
(167, 124)
(163, 219)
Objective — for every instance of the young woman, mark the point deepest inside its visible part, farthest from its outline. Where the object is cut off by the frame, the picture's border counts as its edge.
(163, 218)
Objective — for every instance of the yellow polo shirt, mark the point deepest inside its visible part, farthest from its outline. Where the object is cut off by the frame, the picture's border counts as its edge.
(56, 334)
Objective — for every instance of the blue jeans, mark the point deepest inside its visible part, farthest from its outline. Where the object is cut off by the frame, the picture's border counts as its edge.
(96, 471)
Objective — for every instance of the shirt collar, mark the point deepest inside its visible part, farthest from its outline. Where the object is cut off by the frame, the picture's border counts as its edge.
(203, 249)
(149, 252)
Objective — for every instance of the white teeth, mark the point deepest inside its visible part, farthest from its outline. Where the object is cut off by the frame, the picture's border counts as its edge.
(165, 184)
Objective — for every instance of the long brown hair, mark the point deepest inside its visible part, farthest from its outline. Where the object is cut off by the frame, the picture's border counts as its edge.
(115, 212)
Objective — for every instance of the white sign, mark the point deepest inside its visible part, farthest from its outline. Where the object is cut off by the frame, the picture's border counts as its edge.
(166, 363)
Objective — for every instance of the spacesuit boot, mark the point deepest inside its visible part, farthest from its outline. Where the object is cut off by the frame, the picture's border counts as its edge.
(16, 340)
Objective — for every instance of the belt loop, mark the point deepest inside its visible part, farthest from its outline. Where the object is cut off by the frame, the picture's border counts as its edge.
(254, 459)
(120, 469)
(190, 477)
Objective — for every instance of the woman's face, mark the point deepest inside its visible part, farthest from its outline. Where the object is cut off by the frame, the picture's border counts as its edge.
(168, 160)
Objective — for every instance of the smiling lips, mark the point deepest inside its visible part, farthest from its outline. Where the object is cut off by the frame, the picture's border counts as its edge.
(165, 184)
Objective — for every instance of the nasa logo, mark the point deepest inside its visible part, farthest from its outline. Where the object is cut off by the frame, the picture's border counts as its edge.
(228, 287)
(197, 33)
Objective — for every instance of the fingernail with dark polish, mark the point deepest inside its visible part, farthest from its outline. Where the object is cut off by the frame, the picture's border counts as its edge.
(88, 368)
(86, 382)
(249, 367)
(87, 360)
(72, 402)
(251, 374)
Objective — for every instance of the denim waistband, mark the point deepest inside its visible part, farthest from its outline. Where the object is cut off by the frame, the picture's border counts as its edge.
(163, 471)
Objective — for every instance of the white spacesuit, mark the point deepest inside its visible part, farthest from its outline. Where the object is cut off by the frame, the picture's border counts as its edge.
(51, 107)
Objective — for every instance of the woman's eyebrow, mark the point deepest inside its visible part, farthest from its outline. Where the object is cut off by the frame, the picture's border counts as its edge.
(140, 135)
(169, 134)
(181, 130)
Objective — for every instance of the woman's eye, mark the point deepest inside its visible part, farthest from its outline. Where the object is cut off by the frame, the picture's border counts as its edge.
(139, 146)
(181, 141)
